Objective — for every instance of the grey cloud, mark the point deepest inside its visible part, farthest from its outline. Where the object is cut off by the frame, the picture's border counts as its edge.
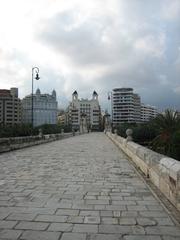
(84, 44)
(103, 41)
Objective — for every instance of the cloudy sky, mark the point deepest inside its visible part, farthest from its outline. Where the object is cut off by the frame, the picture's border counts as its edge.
(88, 45)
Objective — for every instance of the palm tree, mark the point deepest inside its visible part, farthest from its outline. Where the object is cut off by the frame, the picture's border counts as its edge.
(167, 142)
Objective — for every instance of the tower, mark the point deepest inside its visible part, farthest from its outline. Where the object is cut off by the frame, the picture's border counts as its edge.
(75, 96)
(95, 95)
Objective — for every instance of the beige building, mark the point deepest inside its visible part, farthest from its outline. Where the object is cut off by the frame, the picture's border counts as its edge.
(84, 110)
(62, 118)
(126, 106)
(10, 107)
(148, 112)
(44, 108)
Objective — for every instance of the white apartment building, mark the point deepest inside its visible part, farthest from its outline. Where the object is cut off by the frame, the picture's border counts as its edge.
(10, 107)
(90, 109)
(126, 106)
(148, 112)
(44, 108)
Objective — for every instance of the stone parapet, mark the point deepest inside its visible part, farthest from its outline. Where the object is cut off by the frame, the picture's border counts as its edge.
(163, 171)
(9, 144)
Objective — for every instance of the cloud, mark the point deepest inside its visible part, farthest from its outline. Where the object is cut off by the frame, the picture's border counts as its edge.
(87, 45)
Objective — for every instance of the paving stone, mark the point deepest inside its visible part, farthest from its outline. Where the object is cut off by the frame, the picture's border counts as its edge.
(40, 235)
(124, 203)
(164, 221)
(32, 225)
(3, 215)
(146, 222)
(73, 236)
(137, 208)
(127, 221)
(74, 219)
(153, 214)
(116, 213)
(139, 237)
(138, 230)
(115, 229)
(7, 224)
(105, 237)
(89, 213)
(129, 214)
(85, 228)
(170, 238)
(106, 213)
(60, 227)
(109, 220)
(163, 230)
(67, 212)
(97, 202)
(90, 197)
(92, 220)
(70, 185)
(10, 234)
(116, 207)
(99, 207)
(22, 216)
(51, 218)
(154, 207)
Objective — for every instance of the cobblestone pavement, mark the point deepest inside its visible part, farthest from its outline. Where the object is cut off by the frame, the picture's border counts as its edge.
(80, 188)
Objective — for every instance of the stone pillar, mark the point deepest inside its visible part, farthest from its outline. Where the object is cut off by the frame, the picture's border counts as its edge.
(129, 133)
(40, 133)
(83, 124)
(62, 131)
(73, 132)
(115, 132)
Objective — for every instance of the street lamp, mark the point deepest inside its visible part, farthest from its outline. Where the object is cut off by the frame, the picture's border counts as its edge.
(36, 70)
(110, 99)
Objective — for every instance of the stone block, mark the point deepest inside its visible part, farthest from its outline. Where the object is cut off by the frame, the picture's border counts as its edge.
(10, 234)
(32, 225)
(105, 237)
(109, 220)
(92, 220)
(73, 236)
(154, 176)
(133, 147)
(85, 228)
(60, 227)
(40, 235)
(51, 218)
(7, 224)
(116, 229)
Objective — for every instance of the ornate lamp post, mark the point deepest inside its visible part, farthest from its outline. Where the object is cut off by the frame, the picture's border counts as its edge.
(110, 99)
(36, 70)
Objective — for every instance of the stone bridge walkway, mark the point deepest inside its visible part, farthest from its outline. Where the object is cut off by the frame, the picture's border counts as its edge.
(80, 188)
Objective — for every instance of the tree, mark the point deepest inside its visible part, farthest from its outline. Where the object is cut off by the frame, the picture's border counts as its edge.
(167, 141)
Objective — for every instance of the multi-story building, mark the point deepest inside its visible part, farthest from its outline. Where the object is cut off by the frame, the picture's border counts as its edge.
(10, 107)
(126, 106)
(62, 117)
(148, 112)
(44, 108)
(84, 108)
(137, 108)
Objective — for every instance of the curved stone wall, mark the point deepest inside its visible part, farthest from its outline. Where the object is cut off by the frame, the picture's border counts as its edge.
(163, 171)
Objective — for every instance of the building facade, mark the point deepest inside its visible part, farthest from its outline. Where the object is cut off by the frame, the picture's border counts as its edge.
(44, 108)
(10, 107)
(84, 110)
(148, 112)
(126, 106)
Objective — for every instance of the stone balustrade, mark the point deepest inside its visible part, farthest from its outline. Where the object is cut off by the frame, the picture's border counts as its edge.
(163, 171)
(13, 143)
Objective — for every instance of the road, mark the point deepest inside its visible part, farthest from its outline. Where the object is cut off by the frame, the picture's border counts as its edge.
(80, 188)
